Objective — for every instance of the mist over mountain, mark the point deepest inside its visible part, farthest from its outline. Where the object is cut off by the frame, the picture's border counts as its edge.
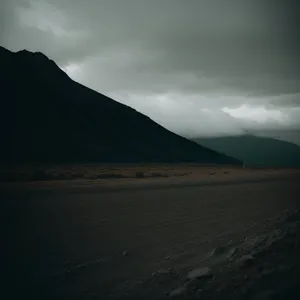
(47, 117)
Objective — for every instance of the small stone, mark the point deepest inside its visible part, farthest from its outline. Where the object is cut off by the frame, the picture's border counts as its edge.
(246, 260)
(179, 291)
(163, 272)
(223, 253)
(125, 253)
(199, 273)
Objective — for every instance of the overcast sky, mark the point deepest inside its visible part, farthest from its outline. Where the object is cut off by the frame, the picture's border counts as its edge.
(198, 67)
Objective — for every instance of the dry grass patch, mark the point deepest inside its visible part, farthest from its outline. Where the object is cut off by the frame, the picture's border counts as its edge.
(113, 171)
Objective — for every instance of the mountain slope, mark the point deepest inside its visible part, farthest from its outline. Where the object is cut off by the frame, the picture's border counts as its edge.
(47, 117)
(289, 135)
(256, 151)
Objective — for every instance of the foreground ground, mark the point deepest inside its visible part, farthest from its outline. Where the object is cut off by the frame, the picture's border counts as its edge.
(140, 239)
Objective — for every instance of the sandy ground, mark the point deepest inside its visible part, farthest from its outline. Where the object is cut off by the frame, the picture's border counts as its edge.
(132, 239)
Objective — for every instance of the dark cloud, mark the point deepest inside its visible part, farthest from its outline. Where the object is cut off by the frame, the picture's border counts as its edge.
(196, 54)
(292, 100)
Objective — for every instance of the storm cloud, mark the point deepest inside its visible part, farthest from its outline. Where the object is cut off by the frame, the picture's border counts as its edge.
(198, 67)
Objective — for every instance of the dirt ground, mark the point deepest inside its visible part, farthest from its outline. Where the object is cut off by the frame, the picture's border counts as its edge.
(92, 172)
(139, 239)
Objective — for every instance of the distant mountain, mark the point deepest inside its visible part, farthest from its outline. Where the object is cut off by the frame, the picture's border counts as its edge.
(47, 117)
(289, 135)
(256, 151)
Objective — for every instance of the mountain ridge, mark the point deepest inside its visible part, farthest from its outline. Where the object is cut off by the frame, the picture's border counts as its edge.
(47, 116)
(256, 150)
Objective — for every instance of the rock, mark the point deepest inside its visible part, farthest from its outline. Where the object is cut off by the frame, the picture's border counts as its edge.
(125, 253)
(246, 260)
(199, 273)
(223, 253)
(178, 292)
(163, 272)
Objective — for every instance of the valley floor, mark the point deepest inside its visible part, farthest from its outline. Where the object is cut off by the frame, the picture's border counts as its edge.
(92, 172)
(140, 238)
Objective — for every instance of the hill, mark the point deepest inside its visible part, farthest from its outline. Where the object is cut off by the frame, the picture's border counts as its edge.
(256, 151)
(47, 117)
(291, 135)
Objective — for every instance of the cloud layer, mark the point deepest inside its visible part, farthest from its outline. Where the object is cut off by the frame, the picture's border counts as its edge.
(198, 67)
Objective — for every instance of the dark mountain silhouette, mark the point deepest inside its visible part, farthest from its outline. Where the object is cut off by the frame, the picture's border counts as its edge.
(256, 151)
(47, 117)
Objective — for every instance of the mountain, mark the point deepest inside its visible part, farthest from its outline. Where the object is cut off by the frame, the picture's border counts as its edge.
(288, 135)
(47, 117)
(256, 151)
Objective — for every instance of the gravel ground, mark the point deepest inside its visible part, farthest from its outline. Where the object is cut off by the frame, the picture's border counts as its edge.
(219, 241)
(265, 267)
